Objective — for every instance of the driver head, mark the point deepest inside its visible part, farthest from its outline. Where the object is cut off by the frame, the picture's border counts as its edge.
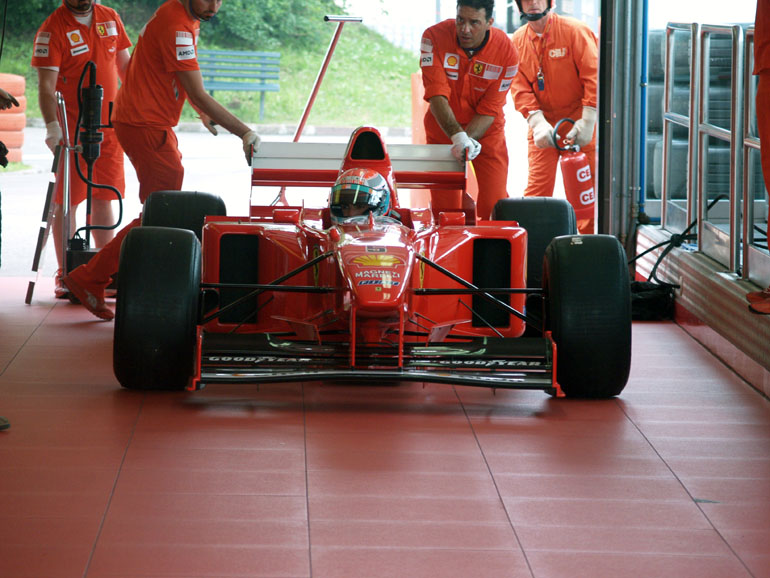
(359, 192)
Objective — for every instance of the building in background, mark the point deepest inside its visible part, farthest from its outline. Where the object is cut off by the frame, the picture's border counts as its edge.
(403, 21)
(586, 10)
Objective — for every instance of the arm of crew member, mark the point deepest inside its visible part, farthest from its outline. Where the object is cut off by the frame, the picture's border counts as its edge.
(122, 63)
(478, 126)
(442, 112)
(46, 86)
(203, 102)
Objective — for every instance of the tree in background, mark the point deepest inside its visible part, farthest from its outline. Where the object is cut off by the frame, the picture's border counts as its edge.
(270, 24)
(242, 24)
(295, 28)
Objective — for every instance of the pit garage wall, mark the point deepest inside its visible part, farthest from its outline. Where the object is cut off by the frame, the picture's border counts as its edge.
(711, 306)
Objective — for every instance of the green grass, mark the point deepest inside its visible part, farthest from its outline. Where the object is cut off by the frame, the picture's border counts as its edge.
(13, 167)
(367, 82)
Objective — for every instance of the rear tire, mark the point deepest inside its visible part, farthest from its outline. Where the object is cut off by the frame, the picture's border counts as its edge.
(588, 310)
(156, 313)
(181, 209)
(544, 218)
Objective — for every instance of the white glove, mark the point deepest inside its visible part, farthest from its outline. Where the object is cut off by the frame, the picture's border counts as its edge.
(583, 130)
(53, 135)
(460, 142)
(542, 131)
(250, 139)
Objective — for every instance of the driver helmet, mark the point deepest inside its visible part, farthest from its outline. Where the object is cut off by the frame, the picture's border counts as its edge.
(532, 17)
(359, 192)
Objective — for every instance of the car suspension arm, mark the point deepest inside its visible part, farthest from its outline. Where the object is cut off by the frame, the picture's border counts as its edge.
(262, 289)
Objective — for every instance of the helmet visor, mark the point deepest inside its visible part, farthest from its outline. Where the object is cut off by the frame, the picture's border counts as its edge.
(348, 194)
(350, 200)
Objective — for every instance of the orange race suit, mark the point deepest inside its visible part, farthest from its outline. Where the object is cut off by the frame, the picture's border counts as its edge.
(762, 69)
(150, 102)
(474, 85)
(147, 108)
(568, 54)
(65, 45)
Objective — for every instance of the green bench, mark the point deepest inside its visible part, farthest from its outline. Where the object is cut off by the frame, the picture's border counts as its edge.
(238, 70)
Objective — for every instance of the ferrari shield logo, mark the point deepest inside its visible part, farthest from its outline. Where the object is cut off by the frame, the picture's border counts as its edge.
(107, 28)
(478, 69)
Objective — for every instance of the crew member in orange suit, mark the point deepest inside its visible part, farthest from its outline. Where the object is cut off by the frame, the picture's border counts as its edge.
(759, 301)
(556, 80)
(163, 72)
(467, 69)
(75, 33)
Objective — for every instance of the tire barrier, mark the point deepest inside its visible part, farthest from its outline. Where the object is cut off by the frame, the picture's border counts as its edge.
(13, 120)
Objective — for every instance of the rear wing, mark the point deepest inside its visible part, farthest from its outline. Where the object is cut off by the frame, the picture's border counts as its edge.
(302, 164)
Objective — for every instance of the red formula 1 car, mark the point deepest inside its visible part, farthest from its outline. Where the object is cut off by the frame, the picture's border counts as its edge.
(290, 293)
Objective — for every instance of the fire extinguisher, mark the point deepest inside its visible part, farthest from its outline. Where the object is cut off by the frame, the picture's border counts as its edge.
(577, 175)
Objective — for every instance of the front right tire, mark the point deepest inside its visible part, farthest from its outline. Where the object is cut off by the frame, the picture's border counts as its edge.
(157, 308)
(588, 311)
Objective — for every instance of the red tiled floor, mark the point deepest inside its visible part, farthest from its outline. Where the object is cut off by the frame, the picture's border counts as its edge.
(400, 562)
(641, 541)
(198, 559)
(45, 560)
(329, 481)
(470, 510)
(624, 565)
(192, 506)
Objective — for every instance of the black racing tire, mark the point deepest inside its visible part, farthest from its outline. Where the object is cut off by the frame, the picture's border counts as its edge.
(157, 308)
(588, 311)
(181, 209)
(544, 218)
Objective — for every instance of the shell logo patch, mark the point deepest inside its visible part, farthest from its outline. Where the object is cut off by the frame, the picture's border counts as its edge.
(452, 61)
(377, 260)
(75, 37)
